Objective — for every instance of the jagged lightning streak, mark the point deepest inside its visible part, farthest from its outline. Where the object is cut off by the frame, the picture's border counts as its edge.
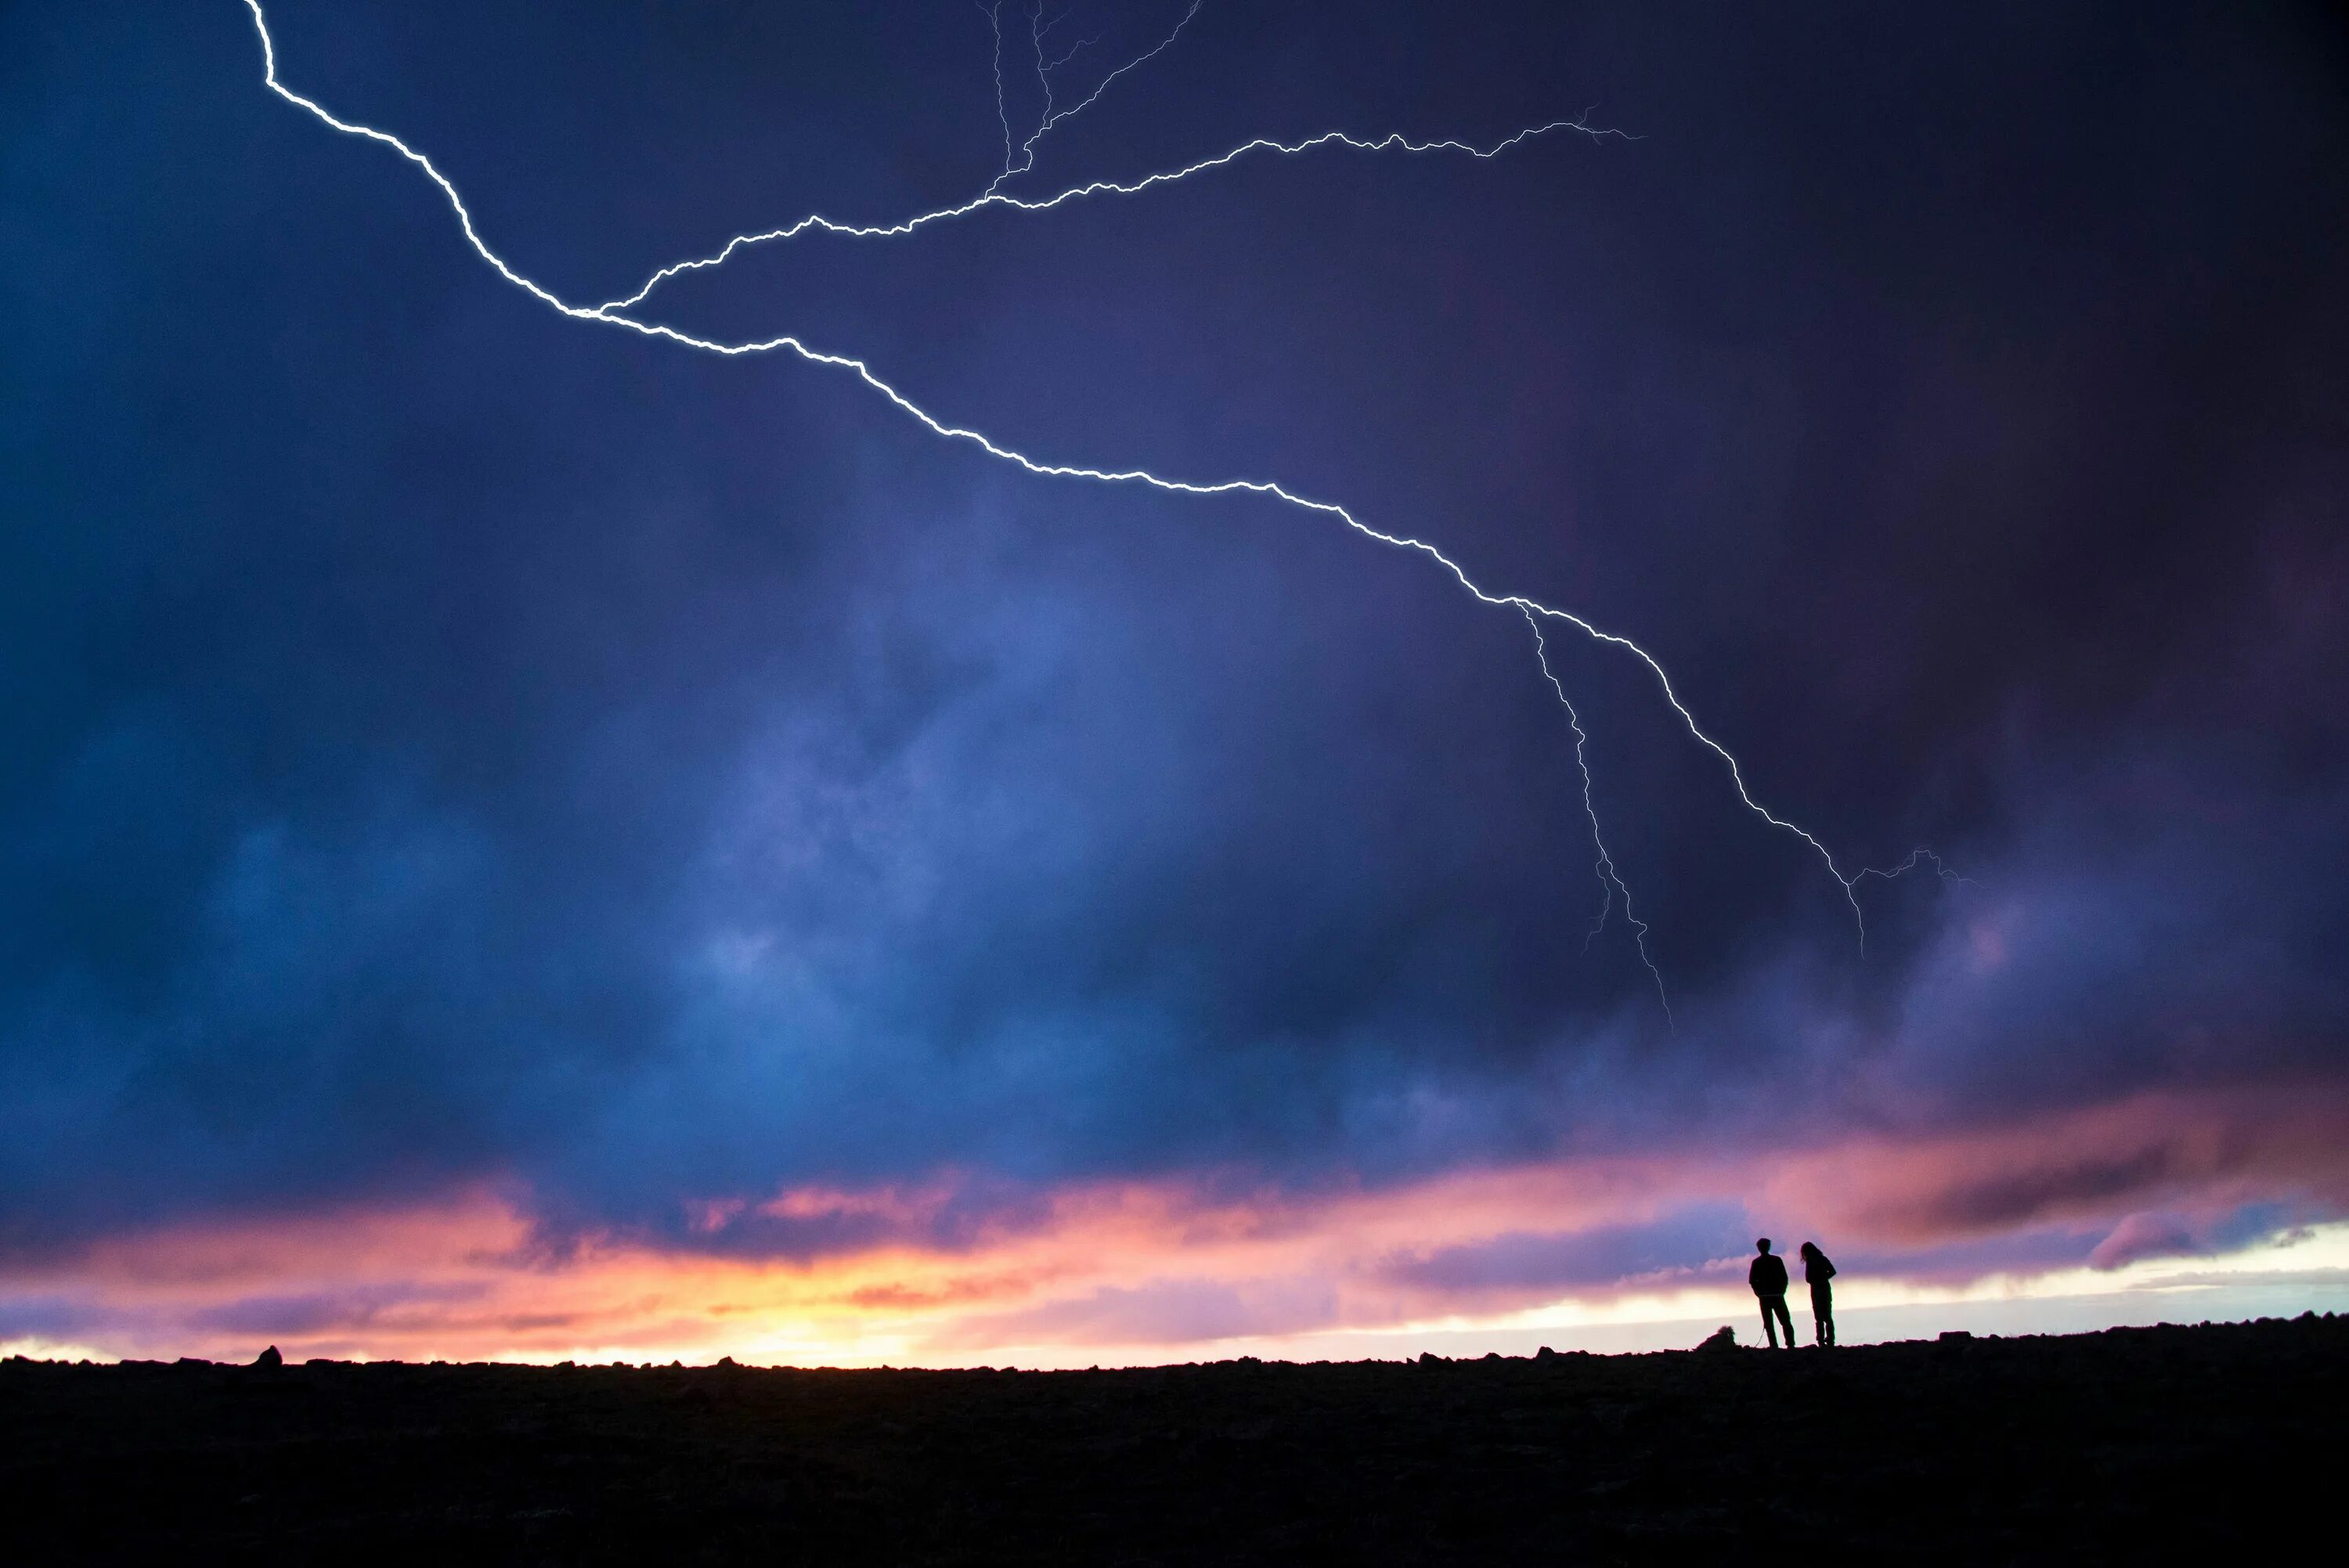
(992, 195)
(1940, 870)
(816, 222)
(1035, 31)
(1610, 882)
(1044, 75)
(1079, 47)
(611, 315)
(994, 21)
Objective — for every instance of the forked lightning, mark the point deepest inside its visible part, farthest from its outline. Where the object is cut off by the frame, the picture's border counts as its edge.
(614, 314)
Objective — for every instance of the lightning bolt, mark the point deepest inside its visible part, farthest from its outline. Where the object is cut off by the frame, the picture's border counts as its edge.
(1610, 882)
(817, 222)
(1915, 857)
(1079, 47)
(613, 315)
(994, 21)
(1037, 27)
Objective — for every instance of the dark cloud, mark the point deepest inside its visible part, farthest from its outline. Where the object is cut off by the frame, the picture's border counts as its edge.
(322, 1312)
(2157, 1234)
(2011, 1198)
(1158, 1312)
(446, 742)
(50, 1317)
(1699, 1245)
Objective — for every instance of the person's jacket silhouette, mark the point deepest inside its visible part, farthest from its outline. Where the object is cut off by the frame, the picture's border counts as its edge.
(1817, 1272)
(1768, 1278)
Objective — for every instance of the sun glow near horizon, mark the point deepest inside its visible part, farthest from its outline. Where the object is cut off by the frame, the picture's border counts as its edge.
(1123, 1274)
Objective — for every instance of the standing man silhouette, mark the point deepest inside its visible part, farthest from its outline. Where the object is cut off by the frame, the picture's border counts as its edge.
(1768, 1278)
(1817, 1271)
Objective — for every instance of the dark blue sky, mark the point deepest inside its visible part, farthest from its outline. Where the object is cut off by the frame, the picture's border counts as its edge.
(441, 741)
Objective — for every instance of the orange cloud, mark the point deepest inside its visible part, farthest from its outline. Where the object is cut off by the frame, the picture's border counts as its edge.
(1094, 1272)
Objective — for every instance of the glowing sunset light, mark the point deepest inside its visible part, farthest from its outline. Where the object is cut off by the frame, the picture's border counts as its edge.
(1129, 1274)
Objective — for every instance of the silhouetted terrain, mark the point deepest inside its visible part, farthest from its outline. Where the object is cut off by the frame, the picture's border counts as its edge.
(2133, 1445)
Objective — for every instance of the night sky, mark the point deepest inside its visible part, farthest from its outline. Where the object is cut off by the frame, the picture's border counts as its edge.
(521, 839)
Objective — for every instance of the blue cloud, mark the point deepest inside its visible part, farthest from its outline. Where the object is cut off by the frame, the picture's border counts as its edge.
(440, 742)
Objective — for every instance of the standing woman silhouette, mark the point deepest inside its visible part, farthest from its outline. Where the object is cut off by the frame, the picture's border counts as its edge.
(1817, 1272)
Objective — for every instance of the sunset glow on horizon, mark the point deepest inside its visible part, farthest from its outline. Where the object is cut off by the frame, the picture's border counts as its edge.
(1580, 1254)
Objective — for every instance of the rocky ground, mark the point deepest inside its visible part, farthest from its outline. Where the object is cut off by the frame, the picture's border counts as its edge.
(2129, 1446)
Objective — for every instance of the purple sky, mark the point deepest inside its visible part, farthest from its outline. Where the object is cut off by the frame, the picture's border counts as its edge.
(477, 773)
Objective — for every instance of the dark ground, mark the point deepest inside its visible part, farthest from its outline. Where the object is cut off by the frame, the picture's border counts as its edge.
(2133, 1445)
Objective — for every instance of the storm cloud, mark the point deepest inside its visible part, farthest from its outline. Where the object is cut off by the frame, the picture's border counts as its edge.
(445, 744)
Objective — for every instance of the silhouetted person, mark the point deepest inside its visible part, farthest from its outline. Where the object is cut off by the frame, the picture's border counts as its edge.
(1817, 1272)
(1768, 1278)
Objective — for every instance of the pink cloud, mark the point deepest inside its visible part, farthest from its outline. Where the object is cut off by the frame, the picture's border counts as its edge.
(1167, 1268)
(2144, 1236)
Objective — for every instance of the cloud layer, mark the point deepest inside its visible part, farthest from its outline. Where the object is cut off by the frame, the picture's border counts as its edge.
(577, 802)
